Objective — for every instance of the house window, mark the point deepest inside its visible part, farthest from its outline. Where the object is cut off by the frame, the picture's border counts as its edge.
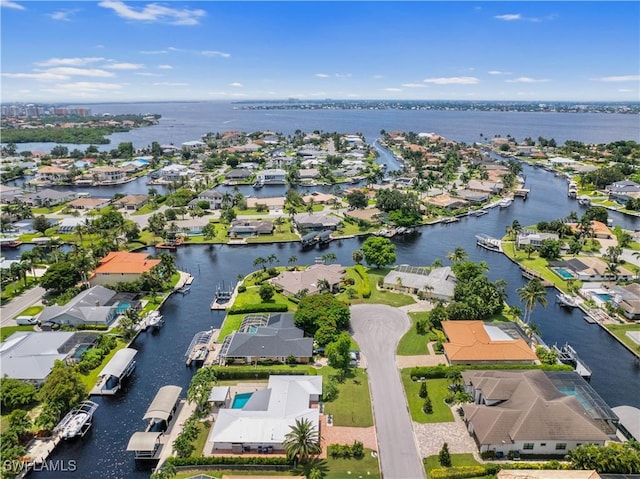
(528, 446)
(561, 446)
(543, 444)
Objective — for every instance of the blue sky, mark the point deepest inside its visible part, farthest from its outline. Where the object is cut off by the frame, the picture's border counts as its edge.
(112, 50)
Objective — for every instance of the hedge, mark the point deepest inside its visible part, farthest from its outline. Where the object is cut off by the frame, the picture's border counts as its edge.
(249, 372)
(226, 460)
(460, 472)
(439, 372)
(366, 286)
(259, 308)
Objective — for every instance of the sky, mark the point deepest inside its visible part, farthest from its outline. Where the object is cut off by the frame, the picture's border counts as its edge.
(128, 51)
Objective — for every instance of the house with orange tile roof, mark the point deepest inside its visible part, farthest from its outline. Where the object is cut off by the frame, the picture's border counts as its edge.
(599, 229)
(52, 174)
(120, 266)
(477, 342)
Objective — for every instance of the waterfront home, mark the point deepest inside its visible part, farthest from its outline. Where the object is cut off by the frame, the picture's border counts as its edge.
(477, 342)
(89, 203)
(266, 337)
(623, 191)
(446, 201)
(194, 145)
(485, 186)
(307, 174)
(170, 150)
(475, 197)
(319, 198)
(272, 177)
(589, 268)
(107, 175)
(69, 225)
(436, 283)
(212, 196)
(48, 175)
(598, 229)
(272, 204)
(525, 412)
(120, 266)
(238, 174)
(240, 227)
(246, 148)
(98, 306)
(316, 221)
(30, 356)
(47, 197)
(261, 425)
(175, 172)
(534, 238)
(627, 298)
(131, 202)
(369, 215)
(309, 279)
(549, 474)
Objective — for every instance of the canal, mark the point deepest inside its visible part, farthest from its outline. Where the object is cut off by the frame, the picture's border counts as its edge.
(160, 361)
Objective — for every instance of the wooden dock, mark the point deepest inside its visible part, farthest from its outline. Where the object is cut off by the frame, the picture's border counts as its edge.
(526, 273)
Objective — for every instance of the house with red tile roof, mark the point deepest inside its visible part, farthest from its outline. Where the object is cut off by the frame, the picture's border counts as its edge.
(120, 266)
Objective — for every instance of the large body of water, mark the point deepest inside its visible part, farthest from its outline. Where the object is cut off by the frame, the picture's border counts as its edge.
(160, 361)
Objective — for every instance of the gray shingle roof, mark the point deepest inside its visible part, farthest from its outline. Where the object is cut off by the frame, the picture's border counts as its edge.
(89, 306)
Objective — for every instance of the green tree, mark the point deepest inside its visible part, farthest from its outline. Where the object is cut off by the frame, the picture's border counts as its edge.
(302, 441)
(427, 407)
(423, 390)
(60, 276)
(200, 387)
(266, 292)
(530, 294)
(338, 354)
(444, 456)
(459, 254)
(209, 231)
(19, 421)
(319, 309)
(357, 256)
(41, 224)
(357, 199)
(15, 393)
(63, 386)
(379, 251)
(157, 223)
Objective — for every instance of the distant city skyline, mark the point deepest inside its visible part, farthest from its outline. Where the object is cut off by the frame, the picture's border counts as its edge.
(128, 51)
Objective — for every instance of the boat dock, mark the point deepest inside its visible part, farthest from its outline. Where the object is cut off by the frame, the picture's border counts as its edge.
(115, 372)
(202, 349)
(568, 355)
(521, 192)
(489, 242)
(223, 298)
(77, 421)
(526, 273)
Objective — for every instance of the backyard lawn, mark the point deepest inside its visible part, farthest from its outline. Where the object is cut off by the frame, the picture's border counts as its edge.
(438, 390)
(620, 330)
(412, 343)
(7, 331)
(457, 460)
(91, 379)
(352, 406)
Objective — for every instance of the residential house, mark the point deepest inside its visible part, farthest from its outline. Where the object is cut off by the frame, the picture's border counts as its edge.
(48, 175)
(272, 177)
(477, 342)
(319, 198)
(194, 145)
(436, 283)
(263, 423)
(446, 202)
(534, 238)
(47, 198)
(475, 197)
(623, 191)
(370, 215)
(191, 226)
(525, 412)
(316, 221)
(307, 174)
(89, 203)
(627, 298)
(175, 172)
(94, 306)
(272, 204)
(264, 337)
(69, 225)
(131, 202)
(30, 356)
(107, 175)
(548, 474)
(120, 266)
(238, 174)
(486, 186)
(211, 196)
(590, 268)
(598, 229)
(310, 279)
(242, 227)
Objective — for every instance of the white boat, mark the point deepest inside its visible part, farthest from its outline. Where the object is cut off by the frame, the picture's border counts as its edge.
(78, 421)
(488, 242)
(154, 320)
(566, 300)
(480, 212)
(505, 203)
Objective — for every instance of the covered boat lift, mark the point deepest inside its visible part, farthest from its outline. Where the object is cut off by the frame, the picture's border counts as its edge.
(145, 445)
(119, 368)
(309, 239)
(163, 406)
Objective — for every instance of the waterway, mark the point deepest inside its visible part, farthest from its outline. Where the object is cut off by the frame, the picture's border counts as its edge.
(160, 361)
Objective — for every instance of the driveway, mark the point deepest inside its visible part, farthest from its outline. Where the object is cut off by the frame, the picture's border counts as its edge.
(377, 329)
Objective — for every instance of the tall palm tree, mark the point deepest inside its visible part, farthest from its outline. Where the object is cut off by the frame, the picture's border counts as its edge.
(302, 441)
(459, 254)
(530, 294)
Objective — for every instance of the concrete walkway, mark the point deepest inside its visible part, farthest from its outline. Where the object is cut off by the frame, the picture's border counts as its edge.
(377, 329)
(185, 410)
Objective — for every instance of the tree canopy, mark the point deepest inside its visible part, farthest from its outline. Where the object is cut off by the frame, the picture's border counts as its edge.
(317, 310)
(379, 251)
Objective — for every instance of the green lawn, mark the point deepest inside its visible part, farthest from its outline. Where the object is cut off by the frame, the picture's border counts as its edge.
(7, 331)
(457, 460)
(200, 441)
(230, 324)
(91, 379)
(619, 331)
(412, 343)
(384, 296)
(437, 389)
(352, 407)
(32, 311)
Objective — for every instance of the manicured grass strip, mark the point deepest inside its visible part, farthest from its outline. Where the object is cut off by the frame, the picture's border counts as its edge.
(352, 407)
(91, 379)
(201, 440)
(412, 343)
(31, 311)
(351, 468)
(620, 330)
(7, 331)
(230, 324)
(457, 460)
(438, 390)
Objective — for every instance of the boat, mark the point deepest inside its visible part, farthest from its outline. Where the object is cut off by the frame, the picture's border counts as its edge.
(480, 212)
(584, 201)
(155, 320)
(566, 300)
(78, 421)
(258, 184)
(10, 242)
(453, 219)
(505, 203)
(589, 319)
(568, 355)
(488, 242)
(184, 290)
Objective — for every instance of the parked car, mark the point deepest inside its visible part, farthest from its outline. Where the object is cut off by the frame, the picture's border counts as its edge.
(26, 320)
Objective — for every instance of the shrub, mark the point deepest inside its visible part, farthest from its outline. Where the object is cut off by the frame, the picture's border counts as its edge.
(427, 407)
(214, 460)
(366, 286)
(242, 289)
(259, 308)
(444, 457)
(460, 472)
(423, 390)
(242, 372)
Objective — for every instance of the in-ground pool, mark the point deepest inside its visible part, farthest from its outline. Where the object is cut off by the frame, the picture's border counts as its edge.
(604, 297)
(122, 307)
(240, 400)
(564, 273)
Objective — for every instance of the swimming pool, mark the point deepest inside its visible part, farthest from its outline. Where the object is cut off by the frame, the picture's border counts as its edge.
(564, 273)
(604, 297)
(240, 400)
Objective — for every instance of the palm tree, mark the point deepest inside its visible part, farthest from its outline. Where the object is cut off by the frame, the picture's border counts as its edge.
(293, 259)
(272, 258)
(323, 285)
(530, 294)
(357, 256)
(327, 258)
(302, 441)
(459, 254)
(260, 262)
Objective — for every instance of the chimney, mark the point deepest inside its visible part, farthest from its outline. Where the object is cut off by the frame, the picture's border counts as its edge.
(97, 303)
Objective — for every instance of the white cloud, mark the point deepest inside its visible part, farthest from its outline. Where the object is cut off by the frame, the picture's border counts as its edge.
(124, 66)
(236, 84)
(498, 72)
(509, 17)
(414, 85)
(452, 80)
(10, 4)
(210, 53)
(85, 86)
(165, 67)
(147, 74)
(619, 78)
(154, 12)
(321, 75)
(72, 62)
(527, 80)
(153, 52)
(343, 75)
(335, 75)
(239, 94)
(392, 89)
(168, 83)
(63, 15)
(43, 76)
(87, 72)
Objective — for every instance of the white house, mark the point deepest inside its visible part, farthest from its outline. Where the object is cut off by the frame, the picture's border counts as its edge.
(272, 177)
(175, 172)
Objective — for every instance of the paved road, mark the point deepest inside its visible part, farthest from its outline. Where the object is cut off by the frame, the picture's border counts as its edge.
(20, 303)
(377, 329)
